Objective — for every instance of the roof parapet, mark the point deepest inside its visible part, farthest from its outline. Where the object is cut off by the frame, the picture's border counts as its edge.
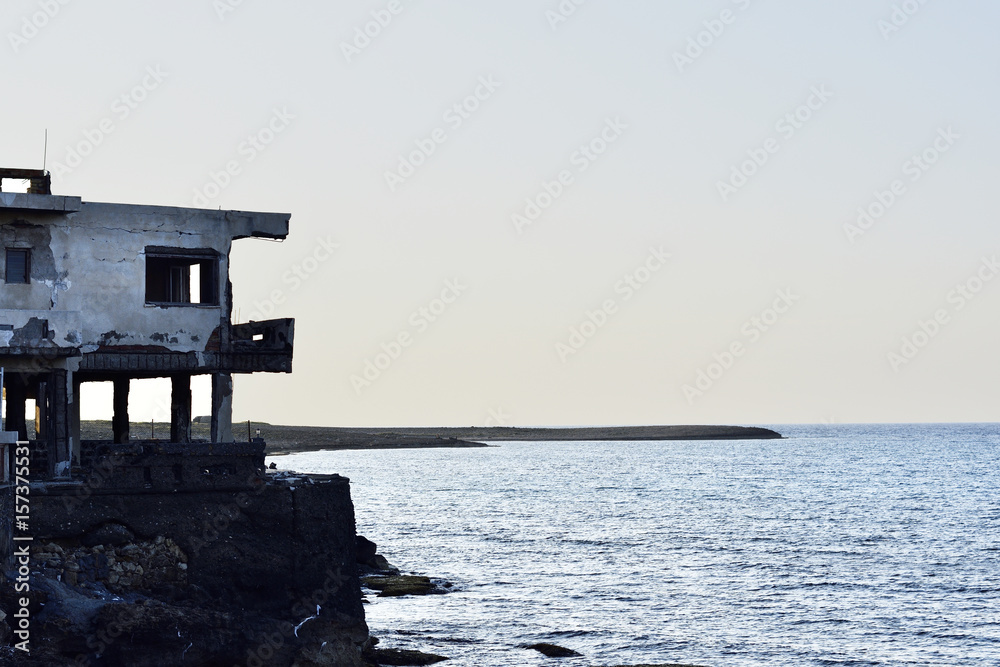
(40, 181)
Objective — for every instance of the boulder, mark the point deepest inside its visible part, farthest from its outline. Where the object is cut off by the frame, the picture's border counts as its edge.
(380, 565)
(553, 650)
(365, 549)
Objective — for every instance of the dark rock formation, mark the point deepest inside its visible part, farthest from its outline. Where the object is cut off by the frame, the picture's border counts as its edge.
(401, 584)
(365, 550)
(394, 656)
(553, 650)
(5, 634)
(371, 563)
(263, 575)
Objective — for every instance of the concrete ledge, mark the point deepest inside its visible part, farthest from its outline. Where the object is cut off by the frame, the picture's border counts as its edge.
(19, 201)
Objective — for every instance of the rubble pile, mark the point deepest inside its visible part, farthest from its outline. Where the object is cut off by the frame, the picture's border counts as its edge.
(134, 566)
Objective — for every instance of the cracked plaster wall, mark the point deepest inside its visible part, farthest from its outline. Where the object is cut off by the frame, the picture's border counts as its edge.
(88, 275)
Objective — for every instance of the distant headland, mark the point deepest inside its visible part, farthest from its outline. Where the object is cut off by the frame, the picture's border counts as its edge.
(283, 439)
(290, 439)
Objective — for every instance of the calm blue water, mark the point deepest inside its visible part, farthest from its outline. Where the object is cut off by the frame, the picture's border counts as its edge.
(842, 545)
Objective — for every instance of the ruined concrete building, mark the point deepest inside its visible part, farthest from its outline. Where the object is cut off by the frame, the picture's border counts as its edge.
(97, 292)
(219, 551)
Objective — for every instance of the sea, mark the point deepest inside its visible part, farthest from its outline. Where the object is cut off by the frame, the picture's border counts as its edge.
(837, 545)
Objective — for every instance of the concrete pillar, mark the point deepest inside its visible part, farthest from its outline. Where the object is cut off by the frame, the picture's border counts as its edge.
(180, 408)
(59, 393)
(222, 407)
(119, 419)
(74, 422)
(41, 410)
(16, 396)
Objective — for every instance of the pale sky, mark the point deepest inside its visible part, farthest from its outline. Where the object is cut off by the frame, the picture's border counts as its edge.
(694, 165)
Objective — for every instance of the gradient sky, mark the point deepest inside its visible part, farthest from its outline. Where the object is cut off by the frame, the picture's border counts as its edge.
(884, 86)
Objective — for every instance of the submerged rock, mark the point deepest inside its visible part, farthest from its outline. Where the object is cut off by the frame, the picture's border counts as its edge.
(403, 584)
(395, 656)
(553, 650)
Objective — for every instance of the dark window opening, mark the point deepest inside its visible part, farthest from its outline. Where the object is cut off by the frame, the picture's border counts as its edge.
(182, 279)
(18, 266)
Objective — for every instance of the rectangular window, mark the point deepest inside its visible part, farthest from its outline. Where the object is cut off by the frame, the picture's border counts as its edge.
(182, 277)
(18, 266)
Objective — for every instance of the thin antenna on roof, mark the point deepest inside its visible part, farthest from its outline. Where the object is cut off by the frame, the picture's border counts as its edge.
(45, 151)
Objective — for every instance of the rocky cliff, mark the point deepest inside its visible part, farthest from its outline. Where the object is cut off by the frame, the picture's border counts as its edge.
(261, 573)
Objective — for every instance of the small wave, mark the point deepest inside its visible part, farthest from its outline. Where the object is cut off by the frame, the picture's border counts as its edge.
(569, 634)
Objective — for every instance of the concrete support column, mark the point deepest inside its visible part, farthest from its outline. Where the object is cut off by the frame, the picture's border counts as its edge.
(222, 407)
(180, 408)
(16, 396)
(119, 418)
(74, 421)
(58, 396)
(41, 409)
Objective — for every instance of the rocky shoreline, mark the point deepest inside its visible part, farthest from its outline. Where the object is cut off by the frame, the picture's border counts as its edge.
(380, 577)
(246, 573)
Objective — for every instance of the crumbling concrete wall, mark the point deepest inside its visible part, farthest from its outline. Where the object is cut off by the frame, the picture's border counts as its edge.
(88, 274)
